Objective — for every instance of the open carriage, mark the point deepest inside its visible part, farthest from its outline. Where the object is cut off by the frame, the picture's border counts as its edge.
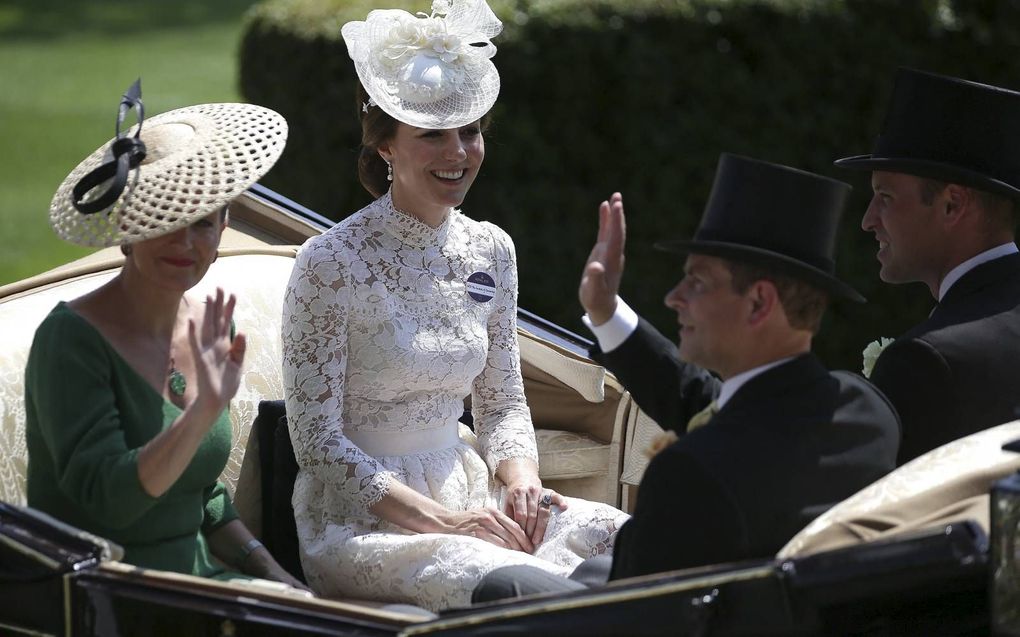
(55, 580)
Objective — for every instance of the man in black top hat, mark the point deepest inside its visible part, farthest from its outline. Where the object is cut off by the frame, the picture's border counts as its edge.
(945, 176)
(783, 438)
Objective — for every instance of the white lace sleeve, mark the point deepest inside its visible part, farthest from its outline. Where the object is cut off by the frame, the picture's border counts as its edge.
(501, 416)
(315, 319)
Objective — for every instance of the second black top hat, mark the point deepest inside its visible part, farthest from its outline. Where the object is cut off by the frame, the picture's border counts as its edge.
(949, 129)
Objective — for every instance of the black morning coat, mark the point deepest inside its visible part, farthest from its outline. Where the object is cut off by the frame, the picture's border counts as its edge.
(789, 444)
(958, 372)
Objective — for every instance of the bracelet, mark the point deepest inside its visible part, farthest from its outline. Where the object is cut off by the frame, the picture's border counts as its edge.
(249, 546)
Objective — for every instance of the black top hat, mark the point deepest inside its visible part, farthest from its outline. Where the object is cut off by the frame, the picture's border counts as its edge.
(772, 215)
(949, 129)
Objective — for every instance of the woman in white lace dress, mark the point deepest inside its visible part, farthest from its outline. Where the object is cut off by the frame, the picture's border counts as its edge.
(391, 319)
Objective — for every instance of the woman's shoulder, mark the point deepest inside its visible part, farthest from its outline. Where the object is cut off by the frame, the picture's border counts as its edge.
(500, 239)
(63, 320)
(338, 241)
(66, 332)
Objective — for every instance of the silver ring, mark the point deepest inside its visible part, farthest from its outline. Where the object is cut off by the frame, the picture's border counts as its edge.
(545, 501)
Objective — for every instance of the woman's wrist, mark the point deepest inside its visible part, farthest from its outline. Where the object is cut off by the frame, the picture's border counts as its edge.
(246, 551)
(256, 562)
(514, 470)
(439, 521)
(204, 410)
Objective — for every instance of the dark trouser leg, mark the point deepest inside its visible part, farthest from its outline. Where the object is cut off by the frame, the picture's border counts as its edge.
(594, 571)
(517, 581)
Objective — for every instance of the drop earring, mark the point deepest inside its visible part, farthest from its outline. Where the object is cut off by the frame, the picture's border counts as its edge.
(389, 171)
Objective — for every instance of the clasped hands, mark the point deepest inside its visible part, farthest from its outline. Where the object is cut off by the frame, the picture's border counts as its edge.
(522, 523)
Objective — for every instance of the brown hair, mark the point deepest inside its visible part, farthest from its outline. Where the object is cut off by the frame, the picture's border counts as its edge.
(377, 128)
(804, 303)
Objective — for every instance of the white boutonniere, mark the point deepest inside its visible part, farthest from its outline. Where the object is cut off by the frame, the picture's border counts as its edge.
(872, 352)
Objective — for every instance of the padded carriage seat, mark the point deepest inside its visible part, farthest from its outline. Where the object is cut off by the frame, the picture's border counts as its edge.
(948, 484)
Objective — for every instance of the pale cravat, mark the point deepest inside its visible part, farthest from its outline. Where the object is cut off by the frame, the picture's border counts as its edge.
(703, 416)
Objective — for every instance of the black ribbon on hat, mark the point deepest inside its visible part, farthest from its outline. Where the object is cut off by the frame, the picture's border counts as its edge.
(128, 153)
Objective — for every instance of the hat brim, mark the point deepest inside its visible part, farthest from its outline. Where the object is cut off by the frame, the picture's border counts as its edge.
(198, 159)
(759, 256)
(930, 169)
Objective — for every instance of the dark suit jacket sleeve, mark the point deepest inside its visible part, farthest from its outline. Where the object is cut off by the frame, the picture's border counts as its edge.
(684, 517)
(664, 387)
(917, 380)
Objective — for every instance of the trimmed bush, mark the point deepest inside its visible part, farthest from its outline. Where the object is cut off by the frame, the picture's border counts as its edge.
(641, 97)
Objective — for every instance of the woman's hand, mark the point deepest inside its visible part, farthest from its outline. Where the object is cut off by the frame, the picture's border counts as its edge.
(260, 563)
(226, 542)
(526, 500)
(530, 506)
(217, 359)
(489, 524)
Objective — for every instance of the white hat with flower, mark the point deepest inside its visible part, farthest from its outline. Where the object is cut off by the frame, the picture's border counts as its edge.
(430, 71)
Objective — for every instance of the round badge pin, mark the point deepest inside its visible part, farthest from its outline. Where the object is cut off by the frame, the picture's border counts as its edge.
(481, 287)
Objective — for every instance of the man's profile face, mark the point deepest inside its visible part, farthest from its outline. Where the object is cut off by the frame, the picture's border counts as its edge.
(904, 226)
(709, 313)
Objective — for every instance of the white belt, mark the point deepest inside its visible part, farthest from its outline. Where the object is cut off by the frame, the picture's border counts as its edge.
(403, 443)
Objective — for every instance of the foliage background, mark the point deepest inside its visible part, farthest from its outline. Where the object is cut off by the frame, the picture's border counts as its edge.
(641, 96)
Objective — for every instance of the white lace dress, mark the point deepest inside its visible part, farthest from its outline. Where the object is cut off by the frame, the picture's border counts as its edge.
(383, 338)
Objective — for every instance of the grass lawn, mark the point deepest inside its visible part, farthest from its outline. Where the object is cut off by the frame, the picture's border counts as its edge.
(63, 67)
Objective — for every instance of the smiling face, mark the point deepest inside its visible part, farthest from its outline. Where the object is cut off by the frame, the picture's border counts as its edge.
(433, 169)
(910, 241)
(178, 260)
(711, 314)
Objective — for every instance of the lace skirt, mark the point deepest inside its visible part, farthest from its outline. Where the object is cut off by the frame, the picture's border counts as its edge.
(368, 558)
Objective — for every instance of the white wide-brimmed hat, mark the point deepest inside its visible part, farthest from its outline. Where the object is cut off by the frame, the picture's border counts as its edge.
(430, 71)
(189, 163)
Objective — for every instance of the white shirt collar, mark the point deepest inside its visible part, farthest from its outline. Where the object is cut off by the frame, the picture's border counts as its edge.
(730, 387)
(971, 263)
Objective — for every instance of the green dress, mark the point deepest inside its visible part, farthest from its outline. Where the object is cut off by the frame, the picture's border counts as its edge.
(88, 414)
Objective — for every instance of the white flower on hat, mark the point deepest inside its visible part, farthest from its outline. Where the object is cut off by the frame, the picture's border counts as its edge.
(442, 7)
(412, 36)
(872, 352)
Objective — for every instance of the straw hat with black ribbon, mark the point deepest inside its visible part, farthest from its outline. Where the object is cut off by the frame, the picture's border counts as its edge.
(166, 172)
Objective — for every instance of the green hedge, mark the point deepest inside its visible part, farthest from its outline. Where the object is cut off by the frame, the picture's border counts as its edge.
(642, 96)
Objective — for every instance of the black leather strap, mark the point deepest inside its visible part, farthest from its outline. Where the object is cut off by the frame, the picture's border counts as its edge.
(128, 153)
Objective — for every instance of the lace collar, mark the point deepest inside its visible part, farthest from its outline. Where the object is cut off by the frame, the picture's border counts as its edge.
(409, 229)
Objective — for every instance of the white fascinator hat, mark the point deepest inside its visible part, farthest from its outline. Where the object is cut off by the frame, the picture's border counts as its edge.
(430, 71)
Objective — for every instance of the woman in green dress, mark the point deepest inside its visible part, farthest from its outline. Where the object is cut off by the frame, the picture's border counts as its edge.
(127, 387)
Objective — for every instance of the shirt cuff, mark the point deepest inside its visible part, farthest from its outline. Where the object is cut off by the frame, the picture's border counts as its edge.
(617, 329)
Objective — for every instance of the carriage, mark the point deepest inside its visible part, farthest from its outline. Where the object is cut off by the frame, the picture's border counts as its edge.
(58, 580)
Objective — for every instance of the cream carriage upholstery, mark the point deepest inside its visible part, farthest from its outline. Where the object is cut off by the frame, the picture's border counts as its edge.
(579, 411)
(948, 484)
